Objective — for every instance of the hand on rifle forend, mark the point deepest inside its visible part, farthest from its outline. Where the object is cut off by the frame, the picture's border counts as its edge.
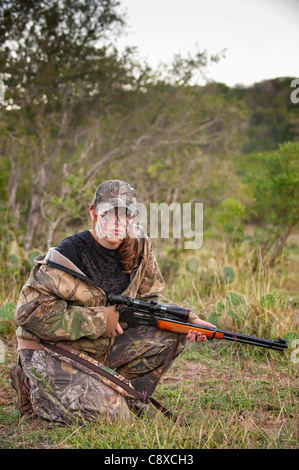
(195, 335)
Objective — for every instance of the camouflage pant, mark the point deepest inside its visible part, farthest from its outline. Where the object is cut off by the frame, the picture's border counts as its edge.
(63, 392)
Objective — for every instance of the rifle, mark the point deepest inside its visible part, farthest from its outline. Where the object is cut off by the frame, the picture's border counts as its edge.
(136, 312)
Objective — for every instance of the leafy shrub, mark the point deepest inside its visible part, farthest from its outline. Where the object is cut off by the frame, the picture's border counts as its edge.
(7, 324)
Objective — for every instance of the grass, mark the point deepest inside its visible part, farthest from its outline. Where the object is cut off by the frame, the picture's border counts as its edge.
(228, 396)
(225, 399)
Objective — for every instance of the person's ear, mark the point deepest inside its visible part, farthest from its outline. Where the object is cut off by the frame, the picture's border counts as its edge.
(92, 213)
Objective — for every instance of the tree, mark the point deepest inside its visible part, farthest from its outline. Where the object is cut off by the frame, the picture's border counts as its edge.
(273, 115)
(276, 192)
(77, 113)
(57, 73)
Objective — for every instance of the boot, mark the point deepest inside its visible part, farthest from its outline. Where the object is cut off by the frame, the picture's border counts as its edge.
(20, 383)
(138, 408)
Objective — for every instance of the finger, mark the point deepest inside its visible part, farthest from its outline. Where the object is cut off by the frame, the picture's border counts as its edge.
(201, 338)
(191, 336)
(198, 337)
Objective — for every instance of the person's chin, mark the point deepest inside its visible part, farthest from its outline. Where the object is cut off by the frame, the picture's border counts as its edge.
(115, 237)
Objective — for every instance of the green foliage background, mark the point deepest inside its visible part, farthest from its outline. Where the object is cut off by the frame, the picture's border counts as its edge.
(77, 112)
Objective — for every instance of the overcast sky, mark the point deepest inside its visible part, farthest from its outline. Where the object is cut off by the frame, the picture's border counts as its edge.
(261, 36)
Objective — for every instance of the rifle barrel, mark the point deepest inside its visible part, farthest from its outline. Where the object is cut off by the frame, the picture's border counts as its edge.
(279, 344)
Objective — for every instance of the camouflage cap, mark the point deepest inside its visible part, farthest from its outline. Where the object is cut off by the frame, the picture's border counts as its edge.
(115, 193)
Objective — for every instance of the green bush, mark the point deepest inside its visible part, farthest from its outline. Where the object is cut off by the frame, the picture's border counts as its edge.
(7, 324)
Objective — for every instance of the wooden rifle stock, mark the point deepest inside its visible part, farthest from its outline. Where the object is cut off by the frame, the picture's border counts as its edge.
(185, 328)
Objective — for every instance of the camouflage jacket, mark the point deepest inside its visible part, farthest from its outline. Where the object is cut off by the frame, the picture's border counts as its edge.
(59, 303)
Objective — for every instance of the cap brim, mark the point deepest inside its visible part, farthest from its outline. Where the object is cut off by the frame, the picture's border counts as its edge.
(113, 203)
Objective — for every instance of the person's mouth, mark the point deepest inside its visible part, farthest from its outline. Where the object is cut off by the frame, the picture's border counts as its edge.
(116, 232)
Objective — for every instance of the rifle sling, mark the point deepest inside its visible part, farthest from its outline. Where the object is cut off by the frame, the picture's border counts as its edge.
(144, 397)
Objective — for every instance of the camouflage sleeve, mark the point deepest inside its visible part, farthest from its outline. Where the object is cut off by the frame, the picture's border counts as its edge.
(152, 282)
(47, 309)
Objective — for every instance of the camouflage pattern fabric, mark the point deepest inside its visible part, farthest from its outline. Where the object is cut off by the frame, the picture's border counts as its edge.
(63, 393)
(140, 354)
(60, 304)
(116, 193)
(68, 392)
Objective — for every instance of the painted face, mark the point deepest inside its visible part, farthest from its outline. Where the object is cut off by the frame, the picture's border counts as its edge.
(112, 224)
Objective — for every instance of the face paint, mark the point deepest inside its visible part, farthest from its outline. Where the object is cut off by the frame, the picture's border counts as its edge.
(99, 229)
(111, 226)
